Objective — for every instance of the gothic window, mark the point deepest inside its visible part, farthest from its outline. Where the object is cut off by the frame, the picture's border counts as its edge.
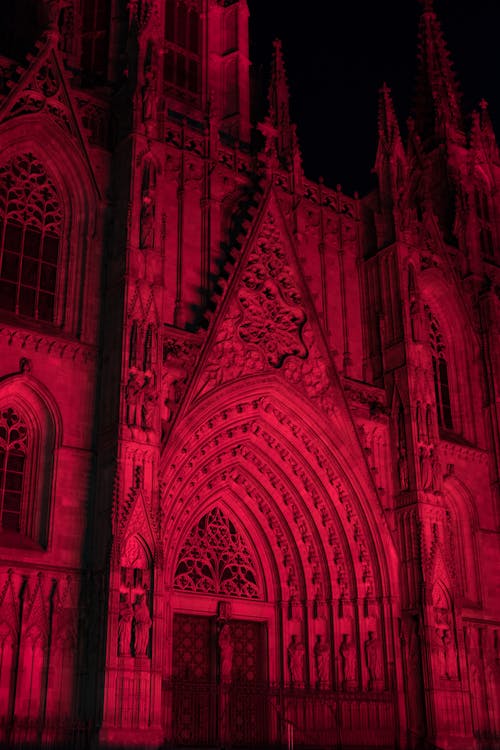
(95, 36)
(484, 222)
(13, 449)
(182, 57)
(215, 559)
(148, 348)
(440, 372)
(30, 239)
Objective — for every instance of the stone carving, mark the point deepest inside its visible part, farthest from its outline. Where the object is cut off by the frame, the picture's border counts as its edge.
(436, 471)
(148, 206)
(403, 469)
(322, 660)
(149, 400)
(348, 661)
(296, 654)
(226, 648)
(373, 652)
(142, 626)
(133, 397)
(125, 616)
(425, 469)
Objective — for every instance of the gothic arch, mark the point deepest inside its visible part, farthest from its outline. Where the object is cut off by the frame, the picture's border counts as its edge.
(28, 398)
(465, 523)
(69, 170)
(461, 344)
(286, 470)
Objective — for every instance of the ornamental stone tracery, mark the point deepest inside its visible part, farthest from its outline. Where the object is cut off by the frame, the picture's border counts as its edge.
(215, 559)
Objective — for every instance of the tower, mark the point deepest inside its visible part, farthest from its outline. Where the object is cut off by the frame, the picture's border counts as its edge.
(249, 439)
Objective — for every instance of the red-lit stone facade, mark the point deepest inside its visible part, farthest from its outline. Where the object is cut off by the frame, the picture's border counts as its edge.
(249, 429)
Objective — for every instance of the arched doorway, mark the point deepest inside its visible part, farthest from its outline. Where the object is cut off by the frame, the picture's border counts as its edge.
(220, 621)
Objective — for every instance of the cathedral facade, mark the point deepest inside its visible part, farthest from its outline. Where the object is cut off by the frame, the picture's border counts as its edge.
(249, 425)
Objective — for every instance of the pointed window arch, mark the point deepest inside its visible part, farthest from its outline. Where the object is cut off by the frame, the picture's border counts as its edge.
(30, 239)
(13, 450)
(440, 372)
(215, 559)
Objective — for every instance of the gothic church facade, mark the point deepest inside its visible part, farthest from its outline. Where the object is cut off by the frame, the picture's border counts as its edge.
(249, 425)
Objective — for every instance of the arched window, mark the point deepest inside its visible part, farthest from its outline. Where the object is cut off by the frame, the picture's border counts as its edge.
(182, 57)
(440, 372)
(13, 448)
(30, 239)
(27, 442)
(484, 221)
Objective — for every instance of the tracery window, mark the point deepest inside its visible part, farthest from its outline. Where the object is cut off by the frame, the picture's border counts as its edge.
(182, 57)
(95, 36)
(484, 221)
(13, 448)
(440, 372)
(30, 239)
(215, 559)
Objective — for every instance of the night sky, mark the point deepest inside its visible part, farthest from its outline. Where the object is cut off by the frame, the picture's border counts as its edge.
(338, 54)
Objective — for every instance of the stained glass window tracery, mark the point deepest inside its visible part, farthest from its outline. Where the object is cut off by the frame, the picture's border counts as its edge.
(30, 237)
(215, 559)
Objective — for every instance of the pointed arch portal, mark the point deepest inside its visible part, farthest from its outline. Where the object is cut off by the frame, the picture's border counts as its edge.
(276, 570)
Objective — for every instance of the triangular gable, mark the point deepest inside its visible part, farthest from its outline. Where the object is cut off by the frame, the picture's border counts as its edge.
(43, 87)
(266, 322)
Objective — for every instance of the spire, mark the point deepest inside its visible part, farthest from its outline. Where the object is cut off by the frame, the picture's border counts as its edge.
(437, 93)
(388, 126)
(390, 163)
(279, 106)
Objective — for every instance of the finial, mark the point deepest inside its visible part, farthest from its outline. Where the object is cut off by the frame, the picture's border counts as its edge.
(428, 6)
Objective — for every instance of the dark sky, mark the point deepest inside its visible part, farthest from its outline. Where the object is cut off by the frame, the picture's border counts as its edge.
(337, 55)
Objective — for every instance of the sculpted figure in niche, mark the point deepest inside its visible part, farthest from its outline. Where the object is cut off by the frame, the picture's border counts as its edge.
(125, 616)
(142, 626)
(296, 653)
(147, 217)
(437, 473)
(322, 659)
(449, 655)
(133, 397)
(403, 469)
(373, 651)
(149, 398)
(425, 470)
(439, 652)
(226, 653)
(348, 659)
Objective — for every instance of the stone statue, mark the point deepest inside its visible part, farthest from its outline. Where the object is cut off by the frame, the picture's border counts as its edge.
(449, 655)
(403, 469)
(149, 398)
(322, 659)
(146, 235)
(439, 651)
(436, 470)
(125, 615)
(425, 470)
(348, 659)
(373, 651)
(226, 653)
(133, 397)
(296, 653)
(142, 625)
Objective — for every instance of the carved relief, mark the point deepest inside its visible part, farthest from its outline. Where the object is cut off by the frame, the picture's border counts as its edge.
(296, 655)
